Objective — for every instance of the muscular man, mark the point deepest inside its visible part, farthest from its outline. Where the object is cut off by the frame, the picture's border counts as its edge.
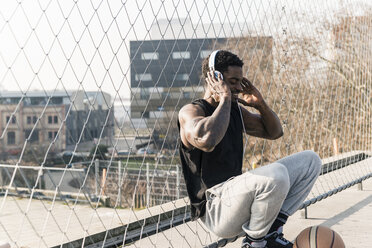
(228, 202)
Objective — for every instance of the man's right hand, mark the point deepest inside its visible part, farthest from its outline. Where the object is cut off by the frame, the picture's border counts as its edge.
(218, 87)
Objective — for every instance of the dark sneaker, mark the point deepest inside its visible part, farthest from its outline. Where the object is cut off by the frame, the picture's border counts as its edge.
(249, 243)
(276, 240)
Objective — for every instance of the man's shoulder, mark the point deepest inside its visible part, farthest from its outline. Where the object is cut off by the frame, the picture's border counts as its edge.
(192, 108)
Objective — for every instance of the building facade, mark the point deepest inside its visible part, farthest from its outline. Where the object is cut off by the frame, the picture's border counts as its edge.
(64, 118)
(165, 75)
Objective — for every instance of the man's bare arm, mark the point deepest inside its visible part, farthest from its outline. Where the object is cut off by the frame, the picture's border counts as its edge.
(264, 125)
(203, 132)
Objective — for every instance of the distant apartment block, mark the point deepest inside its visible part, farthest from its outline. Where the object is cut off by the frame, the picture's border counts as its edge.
(63, 117)
(165, 75)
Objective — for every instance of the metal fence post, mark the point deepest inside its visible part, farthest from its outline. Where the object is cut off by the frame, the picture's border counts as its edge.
(178, 181)
(147, 185)
(1, 178)
(96, 171)
(103, 181)
(360, 185)
(303, 213)
(119, 182)
(40, 175)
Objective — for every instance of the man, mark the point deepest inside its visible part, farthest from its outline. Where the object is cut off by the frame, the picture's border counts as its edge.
(228, 202)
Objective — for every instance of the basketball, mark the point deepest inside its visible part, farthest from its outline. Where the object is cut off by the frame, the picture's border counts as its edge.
(318, 237)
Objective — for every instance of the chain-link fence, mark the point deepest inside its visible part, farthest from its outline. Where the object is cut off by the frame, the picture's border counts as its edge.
(90, 92)
(119, 184)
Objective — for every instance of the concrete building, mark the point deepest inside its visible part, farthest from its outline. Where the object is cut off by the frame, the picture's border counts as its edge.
(165, 75)
(165, 69)
(42, 117)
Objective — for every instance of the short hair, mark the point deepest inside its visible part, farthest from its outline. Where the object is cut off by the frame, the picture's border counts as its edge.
(223, 60)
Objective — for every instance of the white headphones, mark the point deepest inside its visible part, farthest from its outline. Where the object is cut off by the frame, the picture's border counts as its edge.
(211, 63)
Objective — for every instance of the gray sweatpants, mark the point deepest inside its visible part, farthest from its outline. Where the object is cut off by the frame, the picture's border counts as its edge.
(251, 202)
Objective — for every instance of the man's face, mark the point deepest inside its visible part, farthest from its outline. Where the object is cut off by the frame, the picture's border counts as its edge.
(233, 77)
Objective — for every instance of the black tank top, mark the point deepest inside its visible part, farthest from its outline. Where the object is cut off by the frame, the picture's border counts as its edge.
(203, 170)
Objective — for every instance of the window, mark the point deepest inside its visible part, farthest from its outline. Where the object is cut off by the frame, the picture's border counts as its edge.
(11, 138)
(145, 114)
(181, 55)
(38, 100)
(150, 56)
(165, 95)
(94, 133)
(187, 94)
(205, 53)
(31, 119)
(34, 136)
(52, 119)
(144, 93)
(13, 119)
(182, 77)
(56, 100)
(143, 77)
(15, 100)
(52, 135)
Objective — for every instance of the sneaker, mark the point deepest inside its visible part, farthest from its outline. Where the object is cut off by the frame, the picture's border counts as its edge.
(276, 240)
(249, 243)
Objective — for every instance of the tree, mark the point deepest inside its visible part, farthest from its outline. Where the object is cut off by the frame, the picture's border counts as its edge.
(100, 153)
(319, 84)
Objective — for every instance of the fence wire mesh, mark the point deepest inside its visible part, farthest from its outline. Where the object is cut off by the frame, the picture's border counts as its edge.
(90, 92)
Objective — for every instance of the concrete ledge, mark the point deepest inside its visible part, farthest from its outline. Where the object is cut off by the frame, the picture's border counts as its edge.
(342, 160)
(147, 222)
(44, 194)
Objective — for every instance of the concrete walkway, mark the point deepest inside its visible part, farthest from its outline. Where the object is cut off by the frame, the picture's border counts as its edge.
(349, 213)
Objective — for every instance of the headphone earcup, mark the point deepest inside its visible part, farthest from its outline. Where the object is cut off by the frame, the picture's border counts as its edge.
(217, 73)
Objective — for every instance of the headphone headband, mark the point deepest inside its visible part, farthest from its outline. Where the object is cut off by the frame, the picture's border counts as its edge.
(212, 59)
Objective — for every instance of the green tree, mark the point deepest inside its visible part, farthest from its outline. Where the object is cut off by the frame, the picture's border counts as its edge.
(100, 153)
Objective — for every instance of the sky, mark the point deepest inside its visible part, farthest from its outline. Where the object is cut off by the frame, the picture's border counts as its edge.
(84, 45)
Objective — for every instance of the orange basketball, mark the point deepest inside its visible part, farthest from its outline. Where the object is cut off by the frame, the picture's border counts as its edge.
(318, 237)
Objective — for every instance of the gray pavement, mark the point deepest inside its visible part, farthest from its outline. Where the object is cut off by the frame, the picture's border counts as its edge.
(50, 223)
(349, 213)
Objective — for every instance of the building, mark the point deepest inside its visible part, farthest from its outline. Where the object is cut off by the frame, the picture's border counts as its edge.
(67, 118)
(165, 75)
(165, 69)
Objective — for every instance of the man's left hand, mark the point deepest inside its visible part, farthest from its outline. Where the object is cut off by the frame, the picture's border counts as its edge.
(250, 96)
